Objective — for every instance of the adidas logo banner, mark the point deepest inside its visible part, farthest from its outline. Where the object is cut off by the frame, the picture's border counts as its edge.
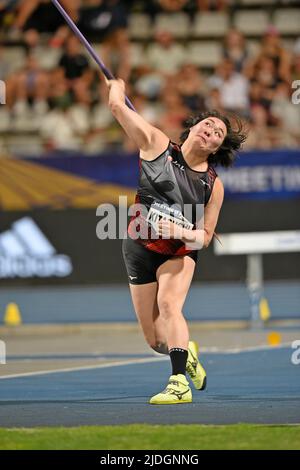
(25, 252)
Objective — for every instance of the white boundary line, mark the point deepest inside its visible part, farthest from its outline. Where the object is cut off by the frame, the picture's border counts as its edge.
(263, 347)
(159, 357)
(71, 369)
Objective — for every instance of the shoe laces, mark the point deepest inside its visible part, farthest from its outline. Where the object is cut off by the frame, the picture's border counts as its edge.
(191, 368)
(173, 382)
(169, 387)
(191, 364)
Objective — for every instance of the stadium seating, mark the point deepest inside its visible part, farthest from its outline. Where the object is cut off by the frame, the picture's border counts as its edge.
(251, 22)
(139, 26)
(204, 54)
(287, 21)
(210, 24)
(177, 23)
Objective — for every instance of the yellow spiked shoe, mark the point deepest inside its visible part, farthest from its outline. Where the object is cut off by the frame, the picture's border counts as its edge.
(194, 367)
(177, 391)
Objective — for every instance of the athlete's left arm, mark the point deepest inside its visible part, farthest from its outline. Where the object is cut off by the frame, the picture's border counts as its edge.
(212, 211)
(199, 238)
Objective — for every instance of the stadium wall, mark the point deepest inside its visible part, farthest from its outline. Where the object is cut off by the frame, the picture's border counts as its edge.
(74, 255)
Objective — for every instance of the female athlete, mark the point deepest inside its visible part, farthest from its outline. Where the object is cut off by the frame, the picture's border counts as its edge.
(179, 198)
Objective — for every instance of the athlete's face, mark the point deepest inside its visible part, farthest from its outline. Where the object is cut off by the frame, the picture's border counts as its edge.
(209, 134)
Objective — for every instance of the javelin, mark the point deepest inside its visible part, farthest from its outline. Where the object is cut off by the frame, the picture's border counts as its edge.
(89, 48)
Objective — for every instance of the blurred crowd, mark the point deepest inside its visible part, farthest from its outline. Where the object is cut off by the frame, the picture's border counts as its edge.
(67, 104)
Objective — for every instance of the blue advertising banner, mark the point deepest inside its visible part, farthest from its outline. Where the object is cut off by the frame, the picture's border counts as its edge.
(61, 181)
(263, 175)
(256, 175)
(117, 168)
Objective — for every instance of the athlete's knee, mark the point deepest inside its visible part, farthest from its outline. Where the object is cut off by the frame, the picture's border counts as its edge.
(167, 307)
(150, 339)
(161, 348)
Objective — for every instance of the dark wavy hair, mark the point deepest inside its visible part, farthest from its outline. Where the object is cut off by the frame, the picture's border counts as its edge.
(236, 135)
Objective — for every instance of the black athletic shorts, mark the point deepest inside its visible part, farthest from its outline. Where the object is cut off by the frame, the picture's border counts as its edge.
(142, 264)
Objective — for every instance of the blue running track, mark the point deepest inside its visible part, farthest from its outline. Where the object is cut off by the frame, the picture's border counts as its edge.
(259, 386)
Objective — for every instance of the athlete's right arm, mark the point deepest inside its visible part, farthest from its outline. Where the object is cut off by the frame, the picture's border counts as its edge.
(150, 140)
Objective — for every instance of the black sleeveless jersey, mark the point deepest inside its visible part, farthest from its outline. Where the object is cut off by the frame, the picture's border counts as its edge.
(168, 188)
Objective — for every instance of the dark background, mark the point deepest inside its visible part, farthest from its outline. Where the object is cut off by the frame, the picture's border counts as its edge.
(73, 232)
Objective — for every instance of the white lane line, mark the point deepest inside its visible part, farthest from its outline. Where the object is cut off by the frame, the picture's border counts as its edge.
(159, 357)
(72, 369)
(263, 347)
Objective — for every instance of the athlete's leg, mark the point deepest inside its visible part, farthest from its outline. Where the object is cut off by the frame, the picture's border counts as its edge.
(174, 279)
(144, 298)
(141, 265)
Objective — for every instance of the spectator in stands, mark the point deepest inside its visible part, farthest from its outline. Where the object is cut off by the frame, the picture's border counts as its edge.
(273, 50)
(101, 122)
(258, 97)
(213, 100)
(206, 5)
(60, 95)
(167, 88)
(153, 7)
(265, 75)
(164, 54)
(83, 88)
(259, 131)
(5, 65)
(173, 5)
(73, 61)
(266, 72)
(287, 114)
(30, 85)
(233, 87)
(149, 82)
(80, 77)
(65, 126)
(7, 12)
(296, 48)
(7, 5)
(62, 129)
(235, 48)
(7, 16)
(105, 21)
(295, 62)
(149, 111)
(260, 118)
(40, 16)
(174, 114)
(191, 87)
